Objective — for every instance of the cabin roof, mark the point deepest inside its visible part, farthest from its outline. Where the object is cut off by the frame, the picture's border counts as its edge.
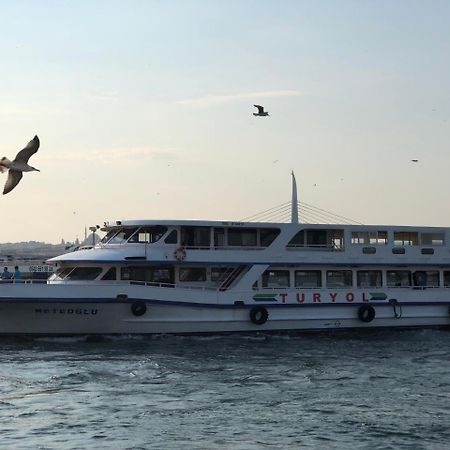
(230, 223)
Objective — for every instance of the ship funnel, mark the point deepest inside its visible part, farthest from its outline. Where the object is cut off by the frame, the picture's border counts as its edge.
(294, 203)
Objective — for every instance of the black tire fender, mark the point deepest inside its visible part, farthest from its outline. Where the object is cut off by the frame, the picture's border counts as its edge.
(259, 315)
(138, 308)
(366, 313)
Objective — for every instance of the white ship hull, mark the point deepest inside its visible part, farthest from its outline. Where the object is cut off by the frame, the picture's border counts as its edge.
(48, 309)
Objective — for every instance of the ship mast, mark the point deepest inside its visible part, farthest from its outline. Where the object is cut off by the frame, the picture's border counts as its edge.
(294, 204)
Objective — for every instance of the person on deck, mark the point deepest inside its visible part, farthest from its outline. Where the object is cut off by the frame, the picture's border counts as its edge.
(5, 275)
(17, 275)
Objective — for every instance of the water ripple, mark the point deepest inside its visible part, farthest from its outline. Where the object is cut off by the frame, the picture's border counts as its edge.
(377, 391)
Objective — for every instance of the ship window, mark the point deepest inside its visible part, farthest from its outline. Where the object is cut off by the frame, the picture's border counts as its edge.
(242, 237)
(172, 237)
(360, 237)
(316, 238)
(333, 239)
(110, 275)
(298, 240)
(220, 273)
(369, 250)
(368, 278)
(219, 237)
(339, 278)
(406, 238)
(369, 237)
(426, 278)
(84, 273)
(140, 273)
(151, 274)
(446, 278)
(432, 238)
(163, 275)
(267, 236)
(308, 278)
(109, 235)
(62, 273)
(195, 236)
(398, 278)
(398, 251)
(378, 237)
(275, 279)
(148, 234)
(192, 274)
(122, 235)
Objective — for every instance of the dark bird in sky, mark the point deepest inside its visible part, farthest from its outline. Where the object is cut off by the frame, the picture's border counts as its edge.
(415, 160)
(19, 165)
(261, 111)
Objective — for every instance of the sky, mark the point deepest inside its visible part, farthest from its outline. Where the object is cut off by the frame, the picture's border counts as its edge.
(144, 110)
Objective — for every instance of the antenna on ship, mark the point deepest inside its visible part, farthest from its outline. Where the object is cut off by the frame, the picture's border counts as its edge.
(294, 203)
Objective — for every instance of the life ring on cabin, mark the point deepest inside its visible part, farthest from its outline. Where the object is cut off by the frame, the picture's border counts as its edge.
(366, 313)
(138, 308)
(180, 254)
(259, 315)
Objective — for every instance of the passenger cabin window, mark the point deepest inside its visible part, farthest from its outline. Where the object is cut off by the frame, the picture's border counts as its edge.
(110, 274)
(275, 279)
(432, 239)
(406, 238)
(398, 278)
(84, 273)
(62, 273)
(150, 274)
(339, 278)
(220, 273)
(317, 238)
(192, 274)
(195, 236)
(245, 237)
(242, 237)
(148, 235)
(368, 278)
(172, 237)
(267, 236)
(308, 278)
(219, 237)
(426, 278)
(446, 278)
(369, 237)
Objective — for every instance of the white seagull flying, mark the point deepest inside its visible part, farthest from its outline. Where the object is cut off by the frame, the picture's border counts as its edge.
(19, 165)
(261, 111)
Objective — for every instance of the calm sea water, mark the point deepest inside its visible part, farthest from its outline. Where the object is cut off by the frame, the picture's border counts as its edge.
(385, 390)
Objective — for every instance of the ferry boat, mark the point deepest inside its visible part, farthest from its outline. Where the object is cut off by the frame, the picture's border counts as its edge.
(184, 276)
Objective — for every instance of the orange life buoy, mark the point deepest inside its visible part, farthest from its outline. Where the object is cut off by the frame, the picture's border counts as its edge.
(180, 253)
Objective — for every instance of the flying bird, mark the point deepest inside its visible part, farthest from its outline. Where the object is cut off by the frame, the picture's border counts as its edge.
(19, 165)
(414, 160)
(261, 111)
